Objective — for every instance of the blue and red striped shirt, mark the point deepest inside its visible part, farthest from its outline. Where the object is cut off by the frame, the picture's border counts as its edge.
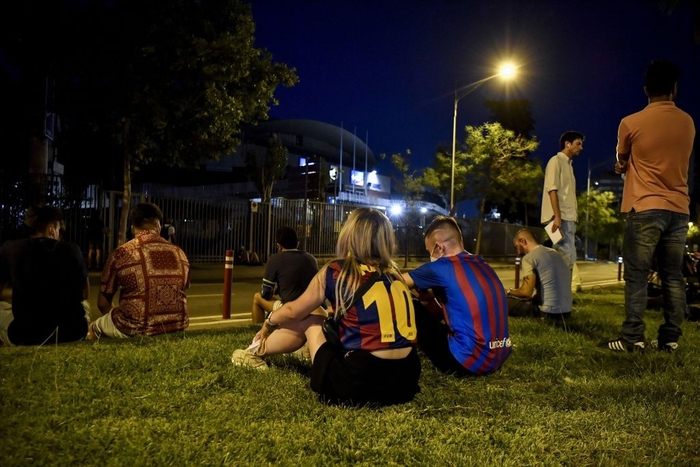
(383, 318)
(475, 309)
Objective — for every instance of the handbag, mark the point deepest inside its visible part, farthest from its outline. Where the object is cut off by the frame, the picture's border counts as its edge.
(331, 329)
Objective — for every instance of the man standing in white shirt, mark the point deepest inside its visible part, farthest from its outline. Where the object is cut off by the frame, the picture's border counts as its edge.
(559, 197)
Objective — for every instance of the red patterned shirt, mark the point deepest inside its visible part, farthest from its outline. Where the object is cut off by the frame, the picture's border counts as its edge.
(152, 275)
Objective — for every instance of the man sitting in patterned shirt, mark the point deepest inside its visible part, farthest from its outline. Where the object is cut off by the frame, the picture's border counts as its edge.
(152, 275)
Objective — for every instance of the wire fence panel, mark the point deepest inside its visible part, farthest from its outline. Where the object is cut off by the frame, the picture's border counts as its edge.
(206, 227)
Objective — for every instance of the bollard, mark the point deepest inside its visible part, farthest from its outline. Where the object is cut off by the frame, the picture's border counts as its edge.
(228, 275)
(517, 272)
(619, 268)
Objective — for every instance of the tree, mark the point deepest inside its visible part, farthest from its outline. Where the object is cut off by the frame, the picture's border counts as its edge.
(485, 170)
(266, 170)
(605, 222)
(516, 115)
(521, 186)
(439, 175)
(168, 82)
(407, 182)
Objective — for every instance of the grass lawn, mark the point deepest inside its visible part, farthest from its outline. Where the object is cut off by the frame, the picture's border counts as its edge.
(176, 400)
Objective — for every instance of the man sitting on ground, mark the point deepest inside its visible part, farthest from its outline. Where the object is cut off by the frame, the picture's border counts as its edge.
(151, 274)
(288, 273)
(49, 283)
(467, 334)
(545, 270)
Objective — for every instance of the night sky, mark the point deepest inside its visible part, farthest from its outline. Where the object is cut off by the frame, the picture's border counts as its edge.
(390, 67)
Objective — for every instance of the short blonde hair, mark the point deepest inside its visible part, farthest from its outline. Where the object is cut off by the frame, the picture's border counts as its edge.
(526, 234)
(449, 226)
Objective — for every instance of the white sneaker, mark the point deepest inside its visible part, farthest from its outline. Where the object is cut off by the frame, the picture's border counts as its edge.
(667, 347)
(245, 357)
(303, 352)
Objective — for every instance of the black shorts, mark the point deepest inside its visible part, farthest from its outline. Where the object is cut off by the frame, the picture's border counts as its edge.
(357, 377)
(434, 342)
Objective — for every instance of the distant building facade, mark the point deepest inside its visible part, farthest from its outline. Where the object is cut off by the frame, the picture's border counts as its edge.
(325, 163)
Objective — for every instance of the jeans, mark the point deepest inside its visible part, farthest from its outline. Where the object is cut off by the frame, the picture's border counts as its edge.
(663, 232)
(567, 245)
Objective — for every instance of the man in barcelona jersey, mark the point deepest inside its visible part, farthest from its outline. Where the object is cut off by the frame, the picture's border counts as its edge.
(463, 329)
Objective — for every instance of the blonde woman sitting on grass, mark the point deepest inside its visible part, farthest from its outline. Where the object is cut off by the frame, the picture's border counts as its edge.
(376, 361)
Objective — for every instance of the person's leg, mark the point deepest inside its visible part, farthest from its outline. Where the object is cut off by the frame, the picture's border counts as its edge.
(104, 327)
(260, 308)
(86, 308)
(6, 318)
(433, 342)
(642, 233)
(671, 249)
(91, 254)
(98, 257)
(521, 308)
(576, 284)
(292, 336)
(567, 245)
(315, 337)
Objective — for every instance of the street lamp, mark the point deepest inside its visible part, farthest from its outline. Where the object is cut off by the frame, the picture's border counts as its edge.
(506, 71)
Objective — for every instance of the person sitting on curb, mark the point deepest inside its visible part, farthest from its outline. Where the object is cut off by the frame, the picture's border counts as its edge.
(287, 273)
(546, 271)
(49, 283)
(466, 332)
(151, 275)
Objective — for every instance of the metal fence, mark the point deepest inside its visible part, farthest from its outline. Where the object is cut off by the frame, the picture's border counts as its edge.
(206, 228)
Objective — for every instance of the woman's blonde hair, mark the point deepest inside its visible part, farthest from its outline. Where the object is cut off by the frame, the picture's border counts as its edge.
(366, 238)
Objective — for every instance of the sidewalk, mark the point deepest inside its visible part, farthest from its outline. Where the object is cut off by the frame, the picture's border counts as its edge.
(207, 279)
(214, 272)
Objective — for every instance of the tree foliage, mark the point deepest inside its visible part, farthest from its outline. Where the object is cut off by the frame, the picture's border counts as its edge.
(489, 167)
(407, 182)
(266, 169)
(165, 82)
(520, 187)
(606, 224)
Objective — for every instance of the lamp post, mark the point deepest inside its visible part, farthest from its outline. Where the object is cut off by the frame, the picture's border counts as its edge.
(506, 71)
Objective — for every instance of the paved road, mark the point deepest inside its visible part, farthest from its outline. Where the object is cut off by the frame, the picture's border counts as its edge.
(205, 295)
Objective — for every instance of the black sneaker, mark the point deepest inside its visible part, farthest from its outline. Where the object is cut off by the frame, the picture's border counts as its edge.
(666, 347)
(621, 345)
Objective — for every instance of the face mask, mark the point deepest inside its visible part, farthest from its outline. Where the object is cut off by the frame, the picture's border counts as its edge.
(432, 259)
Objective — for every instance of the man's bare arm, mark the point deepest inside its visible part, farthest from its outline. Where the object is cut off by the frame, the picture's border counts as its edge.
(526, 289)
(557, 210)
(622, 163)
(104, 302)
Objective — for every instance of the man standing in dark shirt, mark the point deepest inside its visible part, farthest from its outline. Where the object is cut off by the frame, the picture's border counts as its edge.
(49, 284)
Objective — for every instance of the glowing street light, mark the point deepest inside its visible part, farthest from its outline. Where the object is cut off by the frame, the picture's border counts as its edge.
(396, 210)
(506, 71)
